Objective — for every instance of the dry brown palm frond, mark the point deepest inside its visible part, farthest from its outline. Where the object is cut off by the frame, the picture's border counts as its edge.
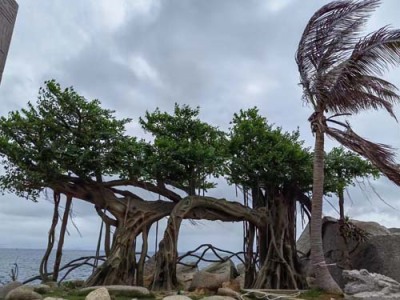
(380, 155)
(328, 39)
(356, 86)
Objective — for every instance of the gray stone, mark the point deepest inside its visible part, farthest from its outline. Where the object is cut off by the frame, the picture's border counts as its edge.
(394, 230)
(378, 254)
(214, 275)
(241, 269)
(23, 293)
(5, 289)
(218, 298)
(364, 285)
(226, 266)
(177, 297)
(99, 294)
(41, 288)
(229, 292)
(206, 280)
(185, 273)
(53, 298)
(303, 243)
(150, 266)
(120, 290)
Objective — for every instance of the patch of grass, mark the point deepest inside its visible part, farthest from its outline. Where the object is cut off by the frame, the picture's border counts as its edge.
(318, 294)
(76, 295)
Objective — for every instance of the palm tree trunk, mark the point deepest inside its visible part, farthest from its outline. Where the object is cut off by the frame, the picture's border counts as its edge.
(322, 277)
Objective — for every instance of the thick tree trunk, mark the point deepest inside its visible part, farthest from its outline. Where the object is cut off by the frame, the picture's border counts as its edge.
(320, 273)
(121, 266)
(259, 200)
(107, 239)
(60, 245)
(280, 269)
(249, 259)
(196, 208)
(51, 237)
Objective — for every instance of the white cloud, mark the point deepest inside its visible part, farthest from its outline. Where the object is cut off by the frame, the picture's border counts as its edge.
(142, 69)
(275, 6)
(114, 14)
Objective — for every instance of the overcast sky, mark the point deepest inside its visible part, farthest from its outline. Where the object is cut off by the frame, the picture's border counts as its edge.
(136, 55)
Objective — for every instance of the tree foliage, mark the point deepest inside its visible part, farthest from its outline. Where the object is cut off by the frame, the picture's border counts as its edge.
(264, 155)
(343, 167)
(64, 134)
(185, 150)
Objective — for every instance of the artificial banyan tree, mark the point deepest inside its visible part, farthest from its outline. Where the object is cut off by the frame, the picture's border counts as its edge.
(73, 147)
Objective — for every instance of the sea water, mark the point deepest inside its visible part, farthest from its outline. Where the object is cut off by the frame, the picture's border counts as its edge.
(28, 262)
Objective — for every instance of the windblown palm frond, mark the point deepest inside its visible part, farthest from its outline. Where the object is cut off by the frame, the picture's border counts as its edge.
(328, 40)
(380, 155)
(356, 88)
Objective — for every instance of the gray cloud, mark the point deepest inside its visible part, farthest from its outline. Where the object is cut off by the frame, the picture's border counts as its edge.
(136, 56)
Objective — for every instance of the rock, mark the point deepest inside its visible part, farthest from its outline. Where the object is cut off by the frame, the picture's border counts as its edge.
(51, 284)
(73, 284)
(224, 267)
(371, 286)
(218, 298)
(378, 254)
(52, 298)
(213, 276)
(99, 294)
(41, 288)
(177, 297)
(241, 268)
(150, 266)
(5, 289)
(225, 291)
(372, 228)
(394, 230)
(23, 293)
(120, 290)
(206, 280)
(233, 284)
(185, 273)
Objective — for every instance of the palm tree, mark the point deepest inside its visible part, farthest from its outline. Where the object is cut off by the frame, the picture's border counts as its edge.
(339, 72)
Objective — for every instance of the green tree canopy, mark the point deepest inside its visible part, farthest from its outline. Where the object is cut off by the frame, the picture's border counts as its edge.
(185, 149)
(63, 134)
(262, 154)
(343, 167)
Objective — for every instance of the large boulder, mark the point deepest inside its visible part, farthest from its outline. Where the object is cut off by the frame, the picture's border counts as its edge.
(120, 290)
(23, 293)
(185, 273)
(361, 284)
(379, 253)
(5, 289)
(177, 297)
(394, 230)
(99, 294)
(41, 288)
(213, 276)
(223, 267)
